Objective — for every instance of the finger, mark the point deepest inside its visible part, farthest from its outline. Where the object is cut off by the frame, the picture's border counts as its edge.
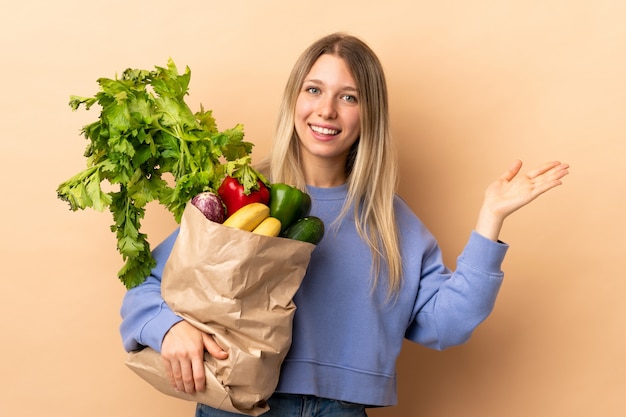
(188, 383)
(169, 372)
(540, 189)
(543, 169)
(213, 348)
(512, 171)
(176, 376)
(197, 367)
(550, 179)
(561, 171)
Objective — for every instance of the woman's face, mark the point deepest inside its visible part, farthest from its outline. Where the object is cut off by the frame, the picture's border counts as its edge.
(327, 115)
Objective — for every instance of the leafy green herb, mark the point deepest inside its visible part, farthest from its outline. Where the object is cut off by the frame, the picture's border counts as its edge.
(145, 130)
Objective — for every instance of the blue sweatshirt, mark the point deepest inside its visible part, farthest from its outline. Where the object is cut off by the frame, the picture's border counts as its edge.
(346, 338)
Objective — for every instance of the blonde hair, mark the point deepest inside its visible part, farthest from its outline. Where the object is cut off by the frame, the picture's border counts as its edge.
(371, 167)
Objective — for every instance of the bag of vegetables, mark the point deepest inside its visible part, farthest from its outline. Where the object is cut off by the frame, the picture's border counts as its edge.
(237, 286)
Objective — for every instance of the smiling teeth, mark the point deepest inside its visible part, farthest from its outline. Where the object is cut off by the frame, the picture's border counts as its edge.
(324, 130)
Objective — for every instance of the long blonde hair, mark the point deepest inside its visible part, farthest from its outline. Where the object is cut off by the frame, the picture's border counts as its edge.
(371, 167)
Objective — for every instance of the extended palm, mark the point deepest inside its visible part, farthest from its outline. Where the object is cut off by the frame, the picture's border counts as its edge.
(512, 191)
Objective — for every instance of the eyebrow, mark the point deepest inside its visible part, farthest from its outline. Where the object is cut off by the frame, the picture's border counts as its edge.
(320, 82)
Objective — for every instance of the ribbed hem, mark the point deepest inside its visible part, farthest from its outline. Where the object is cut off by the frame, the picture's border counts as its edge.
(338, 383)
(153, 332)
(484, 254)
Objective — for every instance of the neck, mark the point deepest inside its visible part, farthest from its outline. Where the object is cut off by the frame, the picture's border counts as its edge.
(324, 175)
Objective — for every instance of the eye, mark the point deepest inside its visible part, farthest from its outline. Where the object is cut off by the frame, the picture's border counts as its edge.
(349, 98)
(312, 90)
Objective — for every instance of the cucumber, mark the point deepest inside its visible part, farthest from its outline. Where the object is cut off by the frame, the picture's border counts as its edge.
(306, 229)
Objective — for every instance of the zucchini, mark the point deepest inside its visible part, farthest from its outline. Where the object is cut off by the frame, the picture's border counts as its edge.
(306, 229)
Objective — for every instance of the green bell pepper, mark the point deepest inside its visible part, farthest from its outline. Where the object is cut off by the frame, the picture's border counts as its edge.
(288, 204)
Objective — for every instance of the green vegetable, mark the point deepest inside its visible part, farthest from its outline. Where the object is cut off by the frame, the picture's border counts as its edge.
(307, 229)
(288, 204)
(146, 135)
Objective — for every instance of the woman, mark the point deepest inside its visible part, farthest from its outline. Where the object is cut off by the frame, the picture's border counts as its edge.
(377, 277)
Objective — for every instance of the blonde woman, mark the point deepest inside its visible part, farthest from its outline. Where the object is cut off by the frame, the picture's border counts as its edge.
(377, 277)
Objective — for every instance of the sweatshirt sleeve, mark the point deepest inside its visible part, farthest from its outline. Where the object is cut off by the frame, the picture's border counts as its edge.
(146, 318)
(450, 305)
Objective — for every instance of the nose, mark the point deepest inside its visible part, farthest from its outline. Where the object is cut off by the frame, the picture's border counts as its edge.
(326, 108)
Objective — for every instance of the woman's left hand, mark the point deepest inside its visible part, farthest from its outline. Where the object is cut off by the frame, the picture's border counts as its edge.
(511, 192)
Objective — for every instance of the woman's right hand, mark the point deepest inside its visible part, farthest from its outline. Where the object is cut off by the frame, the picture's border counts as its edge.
(182, 352)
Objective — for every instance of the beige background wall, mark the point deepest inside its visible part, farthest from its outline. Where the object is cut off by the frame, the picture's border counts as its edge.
(474, 84)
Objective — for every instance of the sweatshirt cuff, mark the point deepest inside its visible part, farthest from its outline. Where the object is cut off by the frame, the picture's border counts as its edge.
(153, 332)
(484, 254)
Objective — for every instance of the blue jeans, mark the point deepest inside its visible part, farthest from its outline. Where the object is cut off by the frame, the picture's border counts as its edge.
(291, 405)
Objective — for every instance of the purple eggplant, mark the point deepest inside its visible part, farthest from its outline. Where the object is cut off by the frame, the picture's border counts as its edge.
(211, 205)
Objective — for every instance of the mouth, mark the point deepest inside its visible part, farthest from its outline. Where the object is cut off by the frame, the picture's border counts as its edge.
(324, 130)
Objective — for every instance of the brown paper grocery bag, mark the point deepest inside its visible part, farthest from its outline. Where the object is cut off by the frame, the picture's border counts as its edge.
(238, 286)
